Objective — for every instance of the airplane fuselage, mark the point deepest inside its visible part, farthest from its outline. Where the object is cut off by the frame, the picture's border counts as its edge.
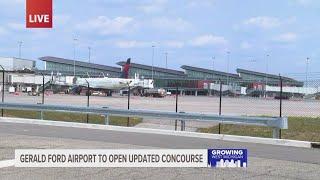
(106, 83)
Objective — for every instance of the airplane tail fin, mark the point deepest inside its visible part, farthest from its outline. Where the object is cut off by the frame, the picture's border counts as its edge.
(125, 69)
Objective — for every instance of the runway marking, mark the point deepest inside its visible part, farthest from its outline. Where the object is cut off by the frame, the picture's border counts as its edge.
(7, 163)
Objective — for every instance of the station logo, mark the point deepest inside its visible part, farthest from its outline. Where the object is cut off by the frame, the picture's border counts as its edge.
(227, 157)
(39, 13)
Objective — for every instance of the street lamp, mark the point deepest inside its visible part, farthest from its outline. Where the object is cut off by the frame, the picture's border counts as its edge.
(152, 59)
(74, 56)
(2, 88)
(307, 69)
(20, 44)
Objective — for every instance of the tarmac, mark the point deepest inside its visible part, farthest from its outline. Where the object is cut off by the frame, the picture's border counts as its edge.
(203, 104)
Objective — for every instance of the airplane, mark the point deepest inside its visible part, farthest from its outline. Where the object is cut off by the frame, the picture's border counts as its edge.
(107, 84)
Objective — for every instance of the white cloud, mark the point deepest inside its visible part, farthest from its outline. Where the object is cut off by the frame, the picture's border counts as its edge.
(132, 44)
(208, 39)
(12, 2)
(175, 24)
(155, 6)
(202, 3)
(286, 37)
(107, 26)
(263, 22)
(17, 26)
(2, 31)
(61, 19)
(303, 2)
(245, 45)
(174, 44)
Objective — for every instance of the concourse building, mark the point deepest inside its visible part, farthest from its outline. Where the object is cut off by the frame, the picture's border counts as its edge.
(69, 67)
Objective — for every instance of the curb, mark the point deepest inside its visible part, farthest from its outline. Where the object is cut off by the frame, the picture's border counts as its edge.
(246, 139)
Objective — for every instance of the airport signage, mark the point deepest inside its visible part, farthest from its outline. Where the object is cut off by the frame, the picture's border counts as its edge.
(122, 158)
(39, 13)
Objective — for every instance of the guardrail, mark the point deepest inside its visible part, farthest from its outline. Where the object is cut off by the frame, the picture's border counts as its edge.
(276, 123)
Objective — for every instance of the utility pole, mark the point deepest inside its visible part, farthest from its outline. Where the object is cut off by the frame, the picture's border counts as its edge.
(20, 45)
(152, 60)
(74, 56)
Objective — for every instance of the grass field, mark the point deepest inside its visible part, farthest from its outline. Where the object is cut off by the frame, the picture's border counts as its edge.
(300, 128)
(73, 117)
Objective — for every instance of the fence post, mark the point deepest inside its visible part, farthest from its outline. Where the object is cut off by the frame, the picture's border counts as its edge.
(176, 121)
(276, 133)
(281, 85)
(220, 102)
(88, 99)
(42, 88)
(128, 120)
(2, 88)
(106, 119)
(41, 115)
(182, 124)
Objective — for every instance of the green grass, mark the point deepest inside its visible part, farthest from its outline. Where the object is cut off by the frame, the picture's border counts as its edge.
(300, 128)
(73, 117)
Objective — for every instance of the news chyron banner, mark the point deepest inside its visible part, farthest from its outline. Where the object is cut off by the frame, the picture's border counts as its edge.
(130, 158)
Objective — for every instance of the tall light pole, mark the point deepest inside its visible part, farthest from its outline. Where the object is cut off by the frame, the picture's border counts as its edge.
(213, 59)
(152, 59)
(89, 49)
(20, 45)
(228, 64)
(307, 69)
(166, 60)
(74, 55)
(267, 71)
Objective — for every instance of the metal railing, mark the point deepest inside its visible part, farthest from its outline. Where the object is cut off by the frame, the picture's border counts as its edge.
(276, 123)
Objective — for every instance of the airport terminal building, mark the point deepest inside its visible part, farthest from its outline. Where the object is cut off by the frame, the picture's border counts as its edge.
(79, 68)
(189, 80)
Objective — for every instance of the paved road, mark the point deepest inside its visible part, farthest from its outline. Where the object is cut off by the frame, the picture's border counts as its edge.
(265, 161)
(162, 141)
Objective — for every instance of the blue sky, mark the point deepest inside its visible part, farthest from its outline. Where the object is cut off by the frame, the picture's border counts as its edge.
(192, 32)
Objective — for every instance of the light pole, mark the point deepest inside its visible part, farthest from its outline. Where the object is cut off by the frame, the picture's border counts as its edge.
(213, 59)
(89, 48)
(2, 88)
(152, 60)
(267, 71)
(20, 44)
(74, 56)
(307, 69)
(228, 63)
(166, 60)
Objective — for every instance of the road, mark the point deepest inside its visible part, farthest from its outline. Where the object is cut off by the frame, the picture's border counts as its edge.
(265, 161)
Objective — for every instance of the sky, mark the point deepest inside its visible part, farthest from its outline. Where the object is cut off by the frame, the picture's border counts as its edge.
(274, 36)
